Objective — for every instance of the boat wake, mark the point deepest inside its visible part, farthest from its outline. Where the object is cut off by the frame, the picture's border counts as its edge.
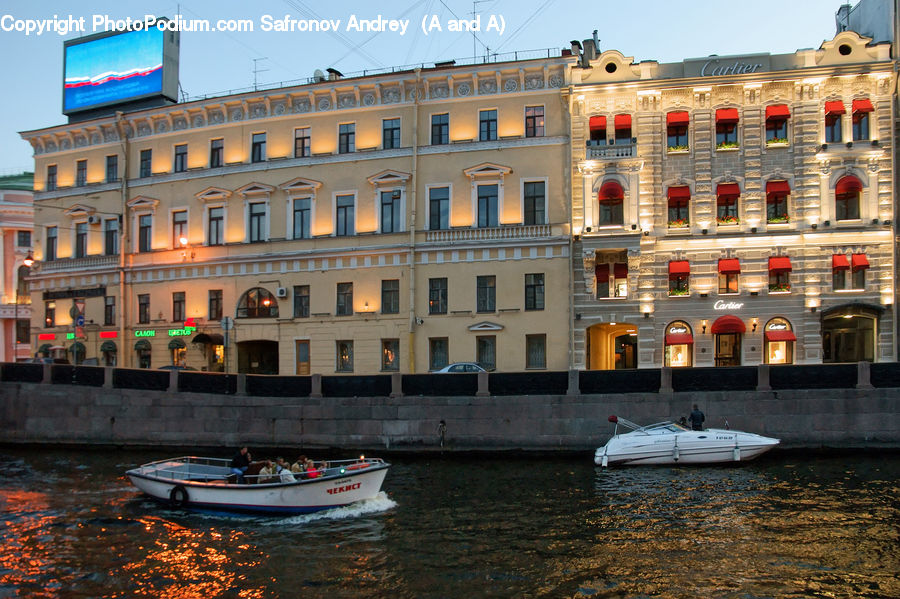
(379, 503)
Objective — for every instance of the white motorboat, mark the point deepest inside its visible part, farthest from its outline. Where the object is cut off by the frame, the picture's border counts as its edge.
(670, 443)
(207, 484)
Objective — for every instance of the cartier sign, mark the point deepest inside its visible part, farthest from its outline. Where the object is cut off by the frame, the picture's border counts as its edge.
(720, 305)
(717, 66)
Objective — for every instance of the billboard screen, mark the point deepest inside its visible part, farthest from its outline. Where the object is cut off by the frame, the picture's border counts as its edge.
(114, 69)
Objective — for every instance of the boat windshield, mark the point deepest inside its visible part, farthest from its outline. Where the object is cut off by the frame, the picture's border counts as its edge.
(664, 427)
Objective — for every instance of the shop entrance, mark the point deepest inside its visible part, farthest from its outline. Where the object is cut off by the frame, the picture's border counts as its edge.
(258, 357)
(848, 334)
(611, 346)
(728, 332)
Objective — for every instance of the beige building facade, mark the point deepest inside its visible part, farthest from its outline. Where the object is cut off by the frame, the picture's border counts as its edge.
(734, 210)
(389, 223)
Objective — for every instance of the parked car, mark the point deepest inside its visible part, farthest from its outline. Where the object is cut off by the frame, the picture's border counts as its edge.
(461, 367)
(176, 367)
(49, 361)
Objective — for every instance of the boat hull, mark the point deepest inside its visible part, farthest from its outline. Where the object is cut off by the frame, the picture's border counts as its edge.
(712, 446)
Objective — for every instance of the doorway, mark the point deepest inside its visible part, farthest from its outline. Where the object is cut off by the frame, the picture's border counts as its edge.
(302, 348)
(611, 346)
(258, 357)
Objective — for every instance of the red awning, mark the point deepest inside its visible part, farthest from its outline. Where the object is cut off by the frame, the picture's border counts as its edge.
(620, 270)
(728, 190)
(679, 268)
(598, 123)
(777, 187)
(602, 273)
(727, 115)
(835, 108)
(848, 184)
(863, 105)
(729, 266)
(780, 336)
(678, 118)
(780, 264)
(623, 121)
(778, 111)
(679, 192)
(859, 262)
(610, 190)
(679, 339)
(840, 262)
(728, 324)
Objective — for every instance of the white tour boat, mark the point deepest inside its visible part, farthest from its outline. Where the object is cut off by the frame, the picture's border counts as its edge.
(208, 484)
(670, 443)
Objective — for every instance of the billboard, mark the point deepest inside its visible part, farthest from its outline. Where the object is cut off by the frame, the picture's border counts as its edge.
(117, 68)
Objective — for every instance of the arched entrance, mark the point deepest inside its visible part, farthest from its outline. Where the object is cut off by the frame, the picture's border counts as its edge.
(728, 331)
(611, 346)
(258, 357)
(679, 345)
(779, 342)
(849, 333)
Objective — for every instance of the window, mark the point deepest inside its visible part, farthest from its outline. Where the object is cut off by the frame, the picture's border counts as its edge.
(23, 331)
(51, 178)
(833, 113)
(112, 168)
(611, 198)
(347, 138)
(301, 301)
(302, 218)
(344, 305)
(486, 293)
(390, 134)
(390, 296)
(534, 121)
(727, 195)
(487, 206)
(50, 314)
(861, 110)
(486, 351)
(438, 208)
(726, 128)
(438, 353)
(257, 303)
(534, 203)
(215, 304)
(623, 128)
(302, 148)
(216, 153)
(180, 163)
(390, 354)
(144, 308)
(81, 231)
(440, 129)
(179, 228)
(81, 173)
(109, 310)
(390, 211)
(597, 125)
(178, 306)
(344, 356)
(437, 296)
(344, 216)
(535, 351)
(777, 202)
(776, 124)
(215, 226)
(258, 147)
(779, 274)
(849, 275)
(729, 272)
(679, 278)
(256, 212)
(534, 291)
(50, 249)
(846, 198)
(146, 163)
(618, 278)
(487, 125)
(23, 239)
(145, 230)
(111, 236)
(677, 131)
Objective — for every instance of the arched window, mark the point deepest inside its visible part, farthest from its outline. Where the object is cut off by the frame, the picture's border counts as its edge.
(846, 198)
(610, 197)
(257, 303)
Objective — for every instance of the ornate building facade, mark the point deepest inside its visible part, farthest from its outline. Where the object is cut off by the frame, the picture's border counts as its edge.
(16, 217)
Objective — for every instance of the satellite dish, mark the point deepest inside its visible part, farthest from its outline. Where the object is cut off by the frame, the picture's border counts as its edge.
(318, 75)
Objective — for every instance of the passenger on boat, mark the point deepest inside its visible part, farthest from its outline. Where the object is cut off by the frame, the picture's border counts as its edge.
(283, 470)
(311, 471)
(240, 462)
(267, 474)
(299, 466)
(697, 418)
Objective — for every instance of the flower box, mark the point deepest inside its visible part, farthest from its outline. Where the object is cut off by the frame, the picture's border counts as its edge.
(728, 220)
(680, 223)
(727, 145)
(779, 220)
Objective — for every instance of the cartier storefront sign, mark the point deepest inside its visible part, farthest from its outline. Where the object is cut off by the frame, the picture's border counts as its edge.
(717, 66)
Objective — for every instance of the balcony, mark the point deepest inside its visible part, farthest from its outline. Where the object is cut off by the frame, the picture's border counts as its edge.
(88, 263)
(611, 152)
(491, 234)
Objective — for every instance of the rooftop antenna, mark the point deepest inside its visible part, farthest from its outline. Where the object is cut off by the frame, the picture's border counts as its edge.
(257, 70)
(475, 4)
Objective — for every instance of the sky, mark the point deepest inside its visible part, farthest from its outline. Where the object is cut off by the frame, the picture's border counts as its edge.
(215, 62)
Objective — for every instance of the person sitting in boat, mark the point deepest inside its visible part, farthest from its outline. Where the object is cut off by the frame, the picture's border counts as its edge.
(311, 470)
(240, 462)
(267, 473)
(283, 470)
(299, 467)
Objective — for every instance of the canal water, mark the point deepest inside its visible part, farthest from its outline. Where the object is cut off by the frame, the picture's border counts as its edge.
(785, 526)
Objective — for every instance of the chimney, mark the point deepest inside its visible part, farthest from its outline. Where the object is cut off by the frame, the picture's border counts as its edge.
(334, 74)
(842, 18)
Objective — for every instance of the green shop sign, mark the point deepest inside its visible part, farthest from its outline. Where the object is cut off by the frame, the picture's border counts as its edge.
(181, 332)
(147, 333)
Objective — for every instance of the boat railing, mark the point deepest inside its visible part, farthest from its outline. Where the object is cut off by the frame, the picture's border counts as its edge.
(200, 469)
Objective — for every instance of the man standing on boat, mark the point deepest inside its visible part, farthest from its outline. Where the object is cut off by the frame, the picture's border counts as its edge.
(697, 418)
(240, 462)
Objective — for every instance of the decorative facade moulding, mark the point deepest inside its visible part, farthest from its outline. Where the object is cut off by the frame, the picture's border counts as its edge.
(213, 194)
(254, 189)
